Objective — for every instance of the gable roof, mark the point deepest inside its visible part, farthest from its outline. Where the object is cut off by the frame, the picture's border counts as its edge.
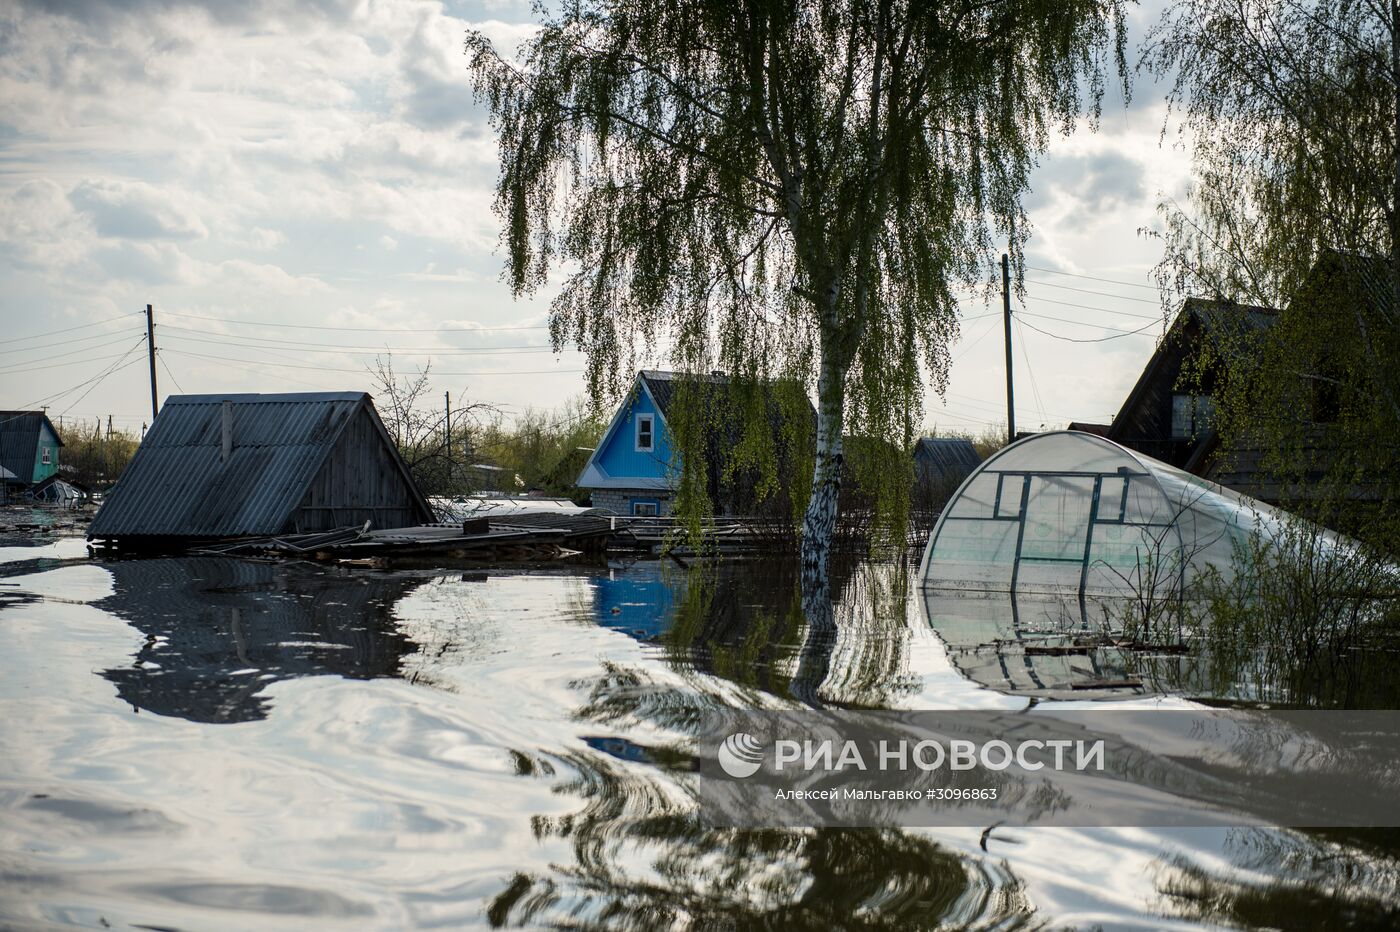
(947, 454)
(1220, 320)
(663, 387)
(177, 486)
(19, 440)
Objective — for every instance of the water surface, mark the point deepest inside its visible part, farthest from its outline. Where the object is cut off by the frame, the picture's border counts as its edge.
(209, 743)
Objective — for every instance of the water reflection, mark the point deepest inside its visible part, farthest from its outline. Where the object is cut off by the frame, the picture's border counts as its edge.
(516, 751)
(643, 859)
(1318, 879)
(220, 631)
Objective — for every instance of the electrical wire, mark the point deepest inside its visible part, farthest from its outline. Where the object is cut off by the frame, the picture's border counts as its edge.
(1102, 310)
(1102, 294)
(1026, 356)
(259, 323)
(102, 377)
(12, 370)
(367, 351)
(59, 394)
(1116, 336)
(49, 333)
(1107, 281)
(1087, 323)
(253, 362)
(160, 355)
(114, 336)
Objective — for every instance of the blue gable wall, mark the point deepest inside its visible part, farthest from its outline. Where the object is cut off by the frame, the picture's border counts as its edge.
(619, 456)
(47, 441)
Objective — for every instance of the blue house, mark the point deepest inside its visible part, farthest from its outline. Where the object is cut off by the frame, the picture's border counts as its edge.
(632, 470)
(635, 470)
(29, 446)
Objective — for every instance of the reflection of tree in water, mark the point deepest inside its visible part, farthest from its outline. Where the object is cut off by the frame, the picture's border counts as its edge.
(218, 631)
(642, 857)
(1318, 879)
(642, 861)
(751, 625)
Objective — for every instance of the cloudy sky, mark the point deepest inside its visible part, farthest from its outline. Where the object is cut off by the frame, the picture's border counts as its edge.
(297, 186)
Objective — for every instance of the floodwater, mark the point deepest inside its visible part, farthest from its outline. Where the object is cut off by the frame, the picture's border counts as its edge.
(203, 743)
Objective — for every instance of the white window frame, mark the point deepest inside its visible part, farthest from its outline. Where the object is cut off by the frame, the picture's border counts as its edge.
(646, 509)
(44, 458)
(651, 433)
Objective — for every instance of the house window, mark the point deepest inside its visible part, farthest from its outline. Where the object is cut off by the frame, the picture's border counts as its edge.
(1191, 415)
(645, 507)
(646, 438)
(44, 457)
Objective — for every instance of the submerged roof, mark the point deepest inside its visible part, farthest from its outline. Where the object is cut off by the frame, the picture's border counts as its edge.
(177, 486)
(1066, 512)
(948, 454)
(19, 440)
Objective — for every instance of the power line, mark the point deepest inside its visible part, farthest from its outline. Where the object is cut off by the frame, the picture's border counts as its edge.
(1106, 281)
(310, 347)
(258, 323)
(166, 366)
(49, 333)
(362, 371)
(11, 370)
(1103, 310)
(59, 394)
(1102, 294)
(71, 342)
(1035, 388)
(1088, 323)
(102, 378)
(1116, 336)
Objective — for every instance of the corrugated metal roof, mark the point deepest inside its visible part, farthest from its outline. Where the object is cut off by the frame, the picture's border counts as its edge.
(946, 456)
(19, 441)
(176, 485)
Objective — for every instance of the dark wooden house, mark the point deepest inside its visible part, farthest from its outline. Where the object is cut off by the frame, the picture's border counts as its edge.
(222, 466)
(29, 448)
(1166, 415)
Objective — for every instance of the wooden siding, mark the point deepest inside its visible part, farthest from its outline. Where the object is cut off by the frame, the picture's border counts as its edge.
(619, 456)
(1145, 422)
(358, 482)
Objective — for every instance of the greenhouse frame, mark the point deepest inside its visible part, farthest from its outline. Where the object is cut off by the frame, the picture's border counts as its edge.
(1070, 513)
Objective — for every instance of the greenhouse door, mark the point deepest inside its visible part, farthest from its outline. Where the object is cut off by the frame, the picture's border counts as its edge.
(1054, 536)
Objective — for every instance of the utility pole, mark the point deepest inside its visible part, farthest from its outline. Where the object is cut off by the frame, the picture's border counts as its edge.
(151, 354)
(447, 431)
(1006, 314)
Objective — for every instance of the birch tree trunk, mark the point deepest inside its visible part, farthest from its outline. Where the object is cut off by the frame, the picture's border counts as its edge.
(819, 523)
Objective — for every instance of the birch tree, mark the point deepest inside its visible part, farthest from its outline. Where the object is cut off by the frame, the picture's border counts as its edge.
(1293, 108)
(784, 190)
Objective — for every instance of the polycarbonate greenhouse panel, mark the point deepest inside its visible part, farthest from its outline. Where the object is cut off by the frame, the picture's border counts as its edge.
(1073, 513)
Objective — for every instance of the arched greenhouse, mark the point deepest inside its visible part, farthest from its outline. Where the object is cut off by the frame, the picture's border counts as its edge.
(1071, 513)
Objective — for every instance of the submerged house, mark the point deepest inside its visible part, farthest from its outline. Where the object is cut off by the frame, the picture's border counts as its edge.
(944, 459)
(29, 447)
(249, 465)
(635, 469)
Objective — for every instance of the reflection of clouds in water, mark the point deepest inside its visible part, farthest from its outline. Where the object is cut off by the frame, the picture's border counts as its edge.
(544, 773)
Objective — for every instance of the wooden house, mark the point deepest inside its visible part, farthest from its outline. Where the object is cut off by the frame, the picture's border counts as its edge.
(1162, 417)
(29, 449)
(635, 469)
(222, 466)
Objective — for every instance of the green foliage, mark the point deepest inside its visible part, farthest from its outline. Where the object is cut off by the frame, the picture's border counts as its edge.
(1304, 620)
(788, 192)
(1293, 110)
(546, 449)
(95, 455)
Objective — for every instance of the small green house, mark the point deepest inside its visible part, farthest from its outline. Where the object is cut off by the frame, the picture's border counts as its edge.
(29, 446)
